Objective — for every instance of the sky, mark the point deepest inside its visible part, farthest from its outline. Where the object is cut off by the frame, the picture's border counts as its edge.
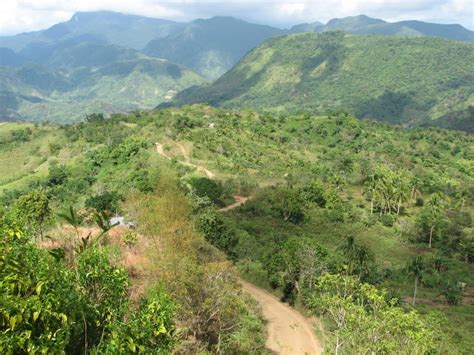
(29, 15)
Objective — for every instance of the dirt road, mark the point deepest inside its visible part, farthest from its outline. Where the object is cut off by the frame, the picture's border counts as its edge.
(160, 150)
(289, 333)
(239, 201)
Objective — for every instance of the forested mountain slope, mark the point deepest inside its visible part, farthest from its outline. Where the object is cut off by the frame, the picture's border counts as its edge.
(73, 80)
(408, 81)
(212, 46)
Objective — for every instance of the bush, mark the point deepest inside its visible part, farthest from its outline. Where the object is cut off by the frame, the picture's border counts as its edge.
(289, 204)
(387, 220)
(216, 232)
(204, 187)
(107, 201)
(419, 202)
(314, 193)
(40, 303)
(57, 175)
(452, 291)
(149, 330)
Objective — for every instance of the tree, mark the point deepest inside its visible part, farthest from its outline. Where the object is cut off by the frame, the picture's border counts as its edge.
(72, 218)
(205, 187)
(367, 321)
(387, 189)
(57, 175)
(34, 209)
(106, 201)
(46, 307)
(349, 251)
(416, 268)
(432, 218)
(358, 258)
(314, 193)
(452, 290)
(289, 204)
(296, 266)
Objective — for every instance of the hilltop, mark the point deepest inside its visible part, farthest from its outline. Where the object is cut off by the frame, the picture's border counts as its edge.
(408, 81)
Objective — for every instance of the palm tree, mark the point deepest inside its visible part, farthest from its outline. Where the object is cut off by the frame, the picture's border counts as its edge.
(414, 183)
(371, 190)
(402, 189)
(435, 207)
(73, 219)
(363, 256)
(416, 268)
(349, 251)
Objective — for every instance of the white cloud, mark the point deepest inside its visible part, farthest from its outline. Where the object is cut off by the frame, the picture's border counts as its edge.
(27, 15)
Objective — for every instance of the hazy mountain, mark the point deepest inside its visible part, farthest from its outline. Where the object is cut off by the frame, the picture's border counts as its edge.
(212, 46)
(410, 81)
(115, 28)
(308, 27)
(366, 25)
(10, 58)
(110, 80)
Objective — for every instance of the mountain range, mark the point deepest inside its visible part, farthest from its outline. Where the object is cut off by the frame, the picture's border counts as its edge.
(71, 81)
(114, 62)
(366, 25)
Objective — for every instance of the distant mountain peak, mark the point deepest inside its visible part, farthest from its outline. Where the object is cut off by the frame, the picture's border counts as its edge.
(359, 20)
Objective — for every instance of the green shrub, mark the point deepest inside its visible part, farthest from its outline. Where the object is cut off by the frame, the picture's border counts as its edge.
(204, 187)
(387, 220)
(149, 329)
(106, 201)
(452, 291)
(419, 202)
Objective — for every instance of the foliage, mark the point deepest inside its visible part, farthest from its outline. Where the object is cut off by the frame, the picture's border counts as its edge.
(34, 209)
(366, 320)
(428, 78)
(47, 306)
(149, 329)
(106, 201)
(204, 187)
(311, 167)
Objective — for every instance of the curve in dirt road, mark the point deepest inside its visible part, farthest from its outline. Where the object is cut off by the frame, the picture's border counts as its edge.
(288, 332)
(160, 150)
(239, 201)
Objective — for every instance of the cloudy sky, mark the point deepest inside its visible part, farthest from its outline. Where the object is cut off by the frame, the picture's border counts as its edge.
(28, 15)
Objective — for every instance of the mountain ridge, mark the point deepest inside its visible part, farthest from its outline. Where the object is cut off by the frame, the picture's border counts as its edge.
(413, 81)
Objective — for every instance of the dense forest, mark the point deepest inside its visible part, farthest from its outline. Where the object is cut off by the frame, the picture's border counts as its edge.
(364, 225)
(400, 80)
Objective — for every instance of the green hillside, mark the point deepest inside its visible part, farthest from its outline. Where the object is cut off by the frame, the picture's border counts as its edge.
(408, 81)
(327, 194)
(81, 79)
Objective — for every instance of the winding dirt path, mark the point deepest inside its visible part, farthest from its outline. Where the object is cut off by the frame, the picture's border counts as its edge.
(200, 168)
(239, 201)
(288, 332)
